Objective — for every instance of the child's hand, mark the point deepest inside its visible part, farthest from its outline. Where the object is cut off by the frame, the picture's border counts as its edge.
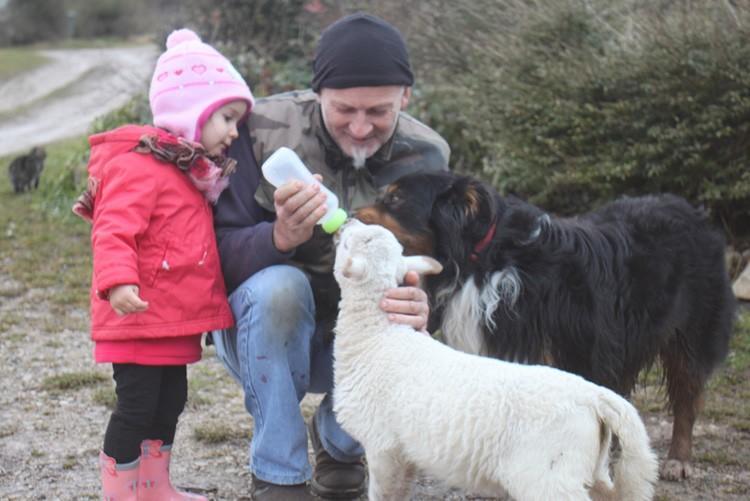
(124, 299)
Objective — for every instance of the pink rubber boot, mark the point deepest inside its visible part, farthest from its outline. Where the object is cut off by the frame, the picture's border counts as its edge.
(118, 483)
(153, 475)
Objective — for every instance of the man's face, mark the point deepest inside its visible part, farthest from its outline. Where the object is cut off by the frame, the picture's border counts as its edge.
(362, 119)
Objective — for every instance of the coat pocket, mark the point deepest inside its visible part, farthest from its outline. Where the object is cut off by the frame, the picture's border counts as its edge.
(150, 257)
(182, 261)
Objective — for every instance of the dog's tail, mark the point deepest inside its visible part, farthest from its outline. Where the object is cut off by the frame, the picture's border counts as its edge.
(636, 470)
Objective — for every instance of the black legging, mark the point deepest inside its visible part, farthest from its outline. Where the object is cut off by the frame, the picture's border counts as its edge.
(150, 399)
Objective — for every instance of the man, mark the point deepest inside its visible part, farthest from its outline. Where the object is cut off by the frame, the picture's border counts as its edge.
(351, 131)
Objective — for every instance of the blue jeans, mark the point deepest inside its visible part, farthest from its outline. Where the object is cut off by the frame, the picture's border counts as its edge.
(277, 357)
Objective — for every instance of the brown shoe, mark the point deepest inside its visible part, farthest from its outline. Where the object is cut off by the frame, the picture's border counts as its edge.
(333, 479)
(266, 491)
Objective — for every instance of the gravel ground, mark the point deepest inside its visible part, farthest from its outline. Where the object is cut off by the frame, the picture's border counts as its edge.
(50, 438)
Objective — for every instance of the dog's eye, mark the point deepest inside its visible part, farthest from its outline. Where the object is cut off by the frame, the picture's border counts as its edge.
(391, 198)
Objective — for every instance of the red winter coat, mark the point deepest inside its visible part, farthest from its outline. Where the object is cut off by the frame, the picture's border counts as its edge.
(152, 228)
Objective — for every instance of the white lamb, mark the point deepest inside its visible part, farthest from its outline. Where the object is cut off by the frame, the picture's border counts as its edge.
(480, 424)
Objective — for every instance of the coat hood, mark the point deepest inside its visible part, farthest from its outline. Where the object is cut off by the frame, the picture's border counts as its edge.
(109, 144)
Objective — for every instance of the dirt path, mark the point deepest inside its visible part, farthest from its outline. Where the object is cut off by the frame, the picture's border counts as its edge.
(61, 99)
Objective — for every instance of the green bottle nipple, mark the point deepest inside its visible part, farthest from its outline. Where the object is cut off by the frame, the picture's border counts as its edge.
(334, 222)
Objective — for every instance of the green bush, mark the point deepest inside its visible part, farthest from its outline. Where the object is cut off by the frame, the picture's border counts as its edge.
(597, 121)
(30, 21)
(269, 41)
(566, 103)
(571, 103)
(64, 181)
(443, 107)
(135, 111)
(104, 18)
(27, 21)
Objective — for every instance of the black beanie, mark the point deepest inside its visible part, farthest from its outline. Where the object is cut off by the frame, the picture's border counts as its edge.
(361, 50)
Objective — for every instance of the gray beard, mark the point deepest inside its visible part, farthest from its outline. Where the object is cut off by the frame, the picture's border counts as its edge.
(359, 157)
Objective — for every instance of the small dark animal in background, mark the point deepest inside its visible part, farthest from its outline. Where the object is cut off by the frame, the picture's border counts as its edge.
(603, 295)
(26, 170)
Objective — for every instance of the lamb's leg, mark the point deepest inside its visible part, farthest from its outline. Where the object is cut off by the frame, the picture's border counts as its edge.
(391, 477)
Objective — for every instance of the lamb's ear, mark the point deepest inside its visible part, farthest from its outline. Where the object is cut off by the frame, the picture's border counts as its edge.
(424, 265)
(354, 268)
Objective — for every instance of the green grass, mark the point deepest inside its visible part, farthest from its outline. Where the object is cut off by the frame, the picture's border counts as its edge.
(720, 458)
(11, 290)
(69, 462)
(105, 397)
(8, 431)
(739, 356)
(73, 381)
(216, 433)
(727, 394)
(201, 384)
(48, 246)
(18, 60)
(9, 320)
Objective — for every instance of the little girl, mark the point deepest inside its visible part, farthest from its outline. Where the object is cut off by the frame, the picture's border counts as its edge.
(157, 282)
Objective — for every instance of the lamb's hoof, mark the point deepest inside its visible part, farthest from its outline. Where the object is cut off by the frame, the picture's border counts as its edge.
(676, 470)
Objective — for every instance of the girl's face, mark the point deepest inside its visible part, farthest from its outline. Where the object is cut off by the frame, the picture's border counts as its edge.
(221, 128)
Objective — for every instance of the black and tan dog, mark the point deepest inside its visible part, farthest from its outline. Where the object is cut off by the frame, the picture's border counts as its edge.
(602, 295)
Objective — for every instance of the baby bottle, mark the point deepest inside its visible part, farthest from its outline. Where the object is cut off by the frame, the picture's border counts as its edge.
(284, 165)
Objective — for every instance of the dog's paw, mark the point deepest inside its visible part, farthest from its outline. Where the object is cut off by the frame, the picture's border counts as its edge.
(676, 470)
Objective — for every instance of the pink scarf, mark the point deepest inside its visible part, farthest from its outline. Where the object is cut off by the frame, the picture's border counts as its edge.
(210, 174)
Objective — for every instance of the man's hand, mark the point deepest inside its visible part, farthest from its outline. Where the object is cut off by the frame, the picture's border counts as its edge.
(298, 208)
(124, 299)
(407, 304)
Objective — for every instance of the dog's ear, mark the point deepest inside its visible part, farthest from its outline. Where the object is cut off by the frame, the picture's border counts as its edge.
(424, 265)
(441, 183)
(447, 220)
(355, 268)
(463, 213)
(522, 222)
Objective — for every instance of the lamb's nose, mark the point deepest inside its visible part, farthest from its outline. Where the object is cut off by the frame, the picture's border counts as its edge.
(349, 223)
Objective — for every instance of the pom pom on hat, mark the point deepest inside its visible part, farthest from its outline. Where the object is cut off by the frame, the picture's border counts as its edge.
(182, 35)
(191, 80)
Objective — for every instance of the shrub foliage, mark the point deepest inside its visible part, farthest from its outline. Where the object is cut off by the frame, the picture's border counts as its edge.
(568, 103)
(572, 103)
(270, 41)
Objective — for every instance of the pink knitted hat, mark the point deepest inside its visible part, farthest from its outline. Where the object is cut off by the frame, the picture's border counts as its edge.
(190, 82)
